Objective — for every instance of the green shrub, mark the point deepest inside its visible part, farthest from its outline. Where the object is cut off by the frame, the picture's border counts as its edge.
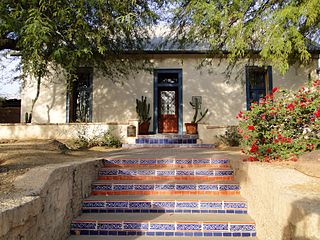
(84, 140)
(110, 140)
(283, 125)
(231, 137)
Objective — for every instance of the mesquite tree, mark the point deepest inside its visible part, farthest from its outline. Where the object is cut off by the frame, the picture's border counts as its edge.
(280, 31)
(66, 34)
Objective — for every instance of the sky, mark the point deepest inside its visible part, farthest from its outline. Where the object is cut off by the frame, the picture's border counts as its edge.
(9, 85)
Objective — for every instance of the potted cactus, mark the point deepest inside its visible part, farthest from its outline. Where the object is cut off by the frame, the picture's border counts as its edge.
(192, 128)
(143, 111)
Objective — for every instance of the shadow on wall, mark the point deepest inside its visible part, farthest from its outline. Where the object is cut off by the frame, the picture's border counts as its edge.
(304, 220)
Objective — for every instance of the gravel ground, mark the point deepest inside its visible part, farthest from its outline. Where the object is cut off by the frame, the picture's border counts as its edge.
(16, 158)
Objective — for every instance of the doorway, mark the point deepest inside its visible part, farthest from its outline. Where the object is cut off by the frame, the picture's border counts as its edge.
(168, 101)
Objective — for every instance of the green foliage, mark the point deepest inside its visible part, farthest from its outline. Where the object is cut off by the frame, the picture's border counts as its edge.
(143, 110)
(283, 125)
(231, 137)
(69, 34)
(279, 30)
(197, 109)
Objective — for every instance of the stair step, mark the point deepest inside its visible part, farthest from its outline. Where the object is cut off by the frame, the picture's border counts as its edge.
(178, 140)
(169, 136)
(174, 145)
(157, 224)
(164, 203)
(177, 163)
(145, 187)
(156, 174)
(74, 237)
(229, 198)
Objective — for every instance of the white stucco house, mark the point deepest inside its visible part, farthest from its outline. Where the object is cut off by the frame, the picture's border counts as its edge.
(175, 80)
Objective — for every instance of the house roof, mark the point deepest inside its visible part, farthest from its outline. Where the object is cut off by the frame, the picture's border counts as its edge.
(161, 43)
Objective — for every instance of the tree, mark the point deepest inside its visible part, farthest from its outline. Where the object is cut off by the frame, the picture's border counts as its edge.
(66, 34)
(280, 31)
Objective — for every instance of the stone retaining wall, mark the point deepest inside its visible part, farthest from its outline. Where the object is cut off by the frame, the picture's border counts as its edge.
(284, 202)
(51, 198)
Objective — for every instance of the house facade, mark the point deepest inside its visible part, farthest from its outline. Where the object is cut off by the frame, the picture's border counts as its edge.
(176, 79)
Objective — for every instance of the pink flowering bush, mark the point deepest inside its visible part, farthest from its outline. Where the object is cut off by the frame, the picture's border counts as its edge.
(283, 125)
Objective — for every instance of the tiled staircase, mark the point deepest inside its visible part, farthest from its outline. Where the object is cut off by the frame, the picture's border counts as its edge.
(164, 199)
(167, 141)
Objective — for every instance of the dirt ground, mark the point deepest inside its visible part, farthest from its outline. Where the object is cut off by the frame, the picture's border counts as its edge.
(16, 158)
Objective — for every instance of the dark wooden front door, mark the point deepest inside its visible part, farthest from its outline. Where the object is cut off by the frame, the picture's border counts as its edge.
(168, 110)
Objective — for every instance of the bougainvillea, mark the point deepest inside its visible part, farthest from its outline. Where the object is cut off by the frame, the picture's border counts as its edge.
(283, 125)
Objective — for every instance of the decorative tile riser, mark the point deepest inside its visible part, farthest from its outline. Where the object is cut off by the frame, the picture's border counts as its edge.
(147, 226)
(165, 192)
(164, 187)
(153, 174)
(213, 178)
(165, 206)
(161, 233)
(214, 163)
(95, 210)
(165, 141)
(174, 145)
(169, 136)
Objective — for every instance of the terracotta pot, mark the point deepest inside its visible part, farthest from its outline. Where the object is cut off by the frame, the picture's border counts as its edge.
(191, 128)
(144, 128)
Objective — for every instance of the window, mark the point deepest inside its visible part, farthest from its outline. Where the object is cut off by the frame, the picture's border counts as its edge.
(258, 83)
(80, 97)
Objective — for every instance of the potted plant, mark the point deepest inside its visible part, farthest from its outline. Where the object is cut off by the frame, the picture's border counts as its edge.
(143, 111)
(192, 128)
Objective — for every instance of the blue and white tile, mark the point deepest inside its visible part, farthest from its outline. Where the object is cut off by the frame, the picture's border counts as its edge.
(146, 172)
(93, 204)
(223, 172)
(211, 205)
(208, 187)
(184, 172)
(109, 226)
(242, 227)
(130, 161)
(165, 172)
(140, 204)
(183, 161)
(162, 226)
(164, 187)
(108, 172)
(215, 226)
(189, 226)
(194, 205)
(83, 225)
(235, 205)
(228, 187)
(144, 187)
(165, 161)
(219, 161)
(135, 226)
(128, 172)
(163, 205)
(201, 161)
(104, 187)
(148, 161)
(204, 172)
(117, 204)
(186, 187)
(122, 187)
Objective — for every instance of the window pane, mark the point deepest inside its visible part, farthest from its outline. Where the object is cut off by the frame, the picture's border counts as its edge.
(168, 102)
(170, 78)
(80, 97)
